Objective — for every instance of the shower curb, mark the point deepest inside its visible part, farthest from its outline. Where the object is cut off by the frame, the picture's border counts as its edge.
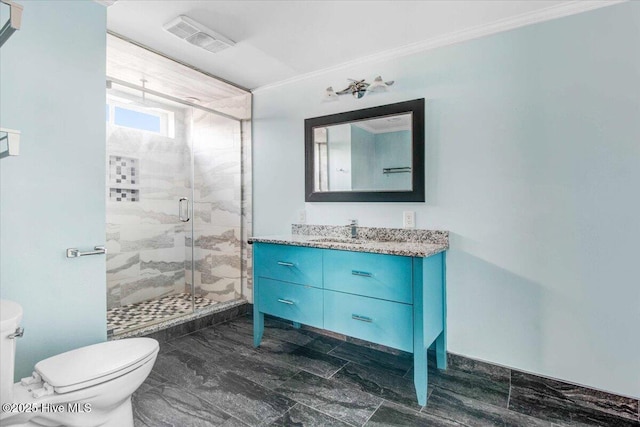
(173, 328)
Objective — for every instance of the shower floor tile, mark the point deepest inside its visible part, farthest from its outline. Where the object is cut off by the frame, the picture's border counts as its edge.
(132, 316)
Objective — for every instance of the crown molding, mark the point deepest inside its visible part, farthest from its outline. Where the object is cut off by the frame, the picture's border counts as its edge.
(553, 12)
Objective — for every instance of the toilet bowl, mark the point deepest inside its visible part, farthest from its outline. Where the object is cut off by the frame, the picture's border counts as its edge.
(86, 387)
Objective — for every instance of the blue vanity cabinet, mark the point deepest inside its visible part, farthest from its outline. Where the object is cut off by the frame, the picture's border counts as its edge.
(382, 322)
(387, 277)
(294, 264)
(287, 284)
(298, 303)
(396, 301)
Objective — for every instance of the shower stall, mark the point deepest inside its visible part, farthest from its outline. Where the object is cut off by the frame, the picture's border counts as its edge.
(176, 192)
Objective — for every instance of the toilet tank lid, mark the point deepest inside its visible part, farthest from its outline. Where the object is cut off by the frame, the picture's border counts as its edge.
(10, 315)
(94, 361)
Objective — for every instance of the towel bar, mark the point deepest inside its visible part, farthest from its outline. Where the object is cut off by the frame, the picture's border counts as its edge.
(75, 252)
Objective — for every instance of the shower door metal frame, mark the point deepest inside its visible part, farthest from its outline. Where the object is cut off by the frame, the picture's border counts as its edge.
(142, 89)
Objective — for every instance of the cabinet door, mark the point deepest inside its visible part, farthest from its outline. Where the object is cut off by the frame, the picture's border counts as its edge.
(383, 322)
(298, 303)
(381, 276)
(292, 264)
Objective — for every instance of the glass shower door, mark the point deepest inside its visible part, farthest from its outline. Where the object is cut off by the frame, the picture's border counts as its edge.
(217, 208)
(149, 214)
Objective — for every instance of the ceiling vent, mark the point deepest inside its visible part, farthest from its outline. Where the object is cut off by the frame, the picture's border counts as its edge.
(197, 34)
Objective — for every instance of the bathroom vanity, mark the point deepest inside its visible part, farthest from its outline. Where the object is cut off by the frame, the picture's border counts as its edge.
(386, 287)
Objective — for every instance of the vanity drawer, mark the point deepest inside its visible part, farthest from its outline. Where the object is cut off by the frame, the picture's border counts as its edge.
(386, 277)
(383, 322)
(298, 303)
(293, 264)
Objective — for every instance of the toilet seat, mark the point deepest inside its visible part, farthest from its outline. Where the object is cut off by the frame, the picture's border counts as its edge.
(95, 364)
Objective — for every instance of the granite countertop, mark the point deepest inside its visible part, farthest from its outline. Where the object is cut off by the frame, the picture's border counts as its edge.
(413, 243)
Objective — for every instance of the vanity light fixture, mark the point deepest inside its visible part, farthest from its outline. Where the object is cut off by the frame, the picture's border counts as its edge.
(379, 85)
(358, 88)
(330, 95)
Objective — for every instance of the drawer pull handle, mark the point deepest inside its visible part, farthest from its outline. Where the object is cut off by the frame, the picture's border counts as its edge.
(285, 301)
(361, 273)
(361, 318)
(286, 264)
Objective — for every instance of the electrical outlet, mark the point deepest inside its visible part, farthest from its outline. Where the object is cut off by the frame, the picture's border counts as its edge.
(302, 216)
(408, 219)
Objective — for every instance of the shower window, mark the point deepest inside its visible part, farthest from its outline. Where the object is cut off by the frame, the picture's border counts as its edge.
(154, 120)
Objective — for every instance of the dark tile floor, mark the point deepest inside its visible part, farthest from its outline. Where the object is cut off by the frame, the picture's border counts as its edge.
(214, 377)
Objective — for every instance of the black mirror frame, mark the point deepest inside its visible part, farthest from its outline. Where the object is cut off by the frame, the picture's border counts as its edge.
(416, 108)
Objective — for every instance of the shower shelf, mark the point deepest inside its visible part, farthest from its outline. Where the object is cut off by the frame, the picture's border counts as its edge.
(123, 195)
(14, 21)
(125, 186)
(9, 142)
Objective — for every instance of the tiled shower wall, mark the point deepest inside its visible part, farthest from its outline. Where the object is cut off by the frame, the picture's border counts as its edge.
(149, 249)
(145, 239)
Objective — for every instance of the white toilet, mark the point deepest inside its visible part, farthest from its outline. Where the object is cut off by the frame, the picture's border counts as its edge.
(86, 387)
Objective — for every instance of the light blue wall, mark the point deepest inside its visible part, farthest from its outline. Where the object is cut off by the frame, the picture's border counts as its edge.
(533, 147)
(52, 88)
(371, 153)
(393, 150)
(339, 157)
(363, 155)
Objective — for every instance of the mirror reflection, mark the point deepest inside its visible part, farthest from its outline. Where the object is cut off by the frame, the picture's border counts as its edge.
(365, 155)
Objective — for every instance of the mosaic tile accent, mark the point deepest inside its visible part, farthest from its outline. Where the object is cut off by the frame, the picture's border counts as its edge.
(201, 318)
(123, 170)
(125, 318)
(124, 195)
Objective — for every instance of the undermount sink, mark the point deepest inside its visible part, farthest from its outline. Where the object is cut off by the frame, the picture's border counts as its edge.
(338, 240)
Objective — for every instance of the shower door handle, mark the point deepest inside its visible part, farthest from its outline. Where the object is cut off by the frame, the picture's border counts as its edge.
(180, 209)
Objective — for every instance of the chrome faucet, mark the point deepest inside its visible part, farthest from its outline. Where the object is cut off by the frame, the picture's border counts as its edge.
(354, 228)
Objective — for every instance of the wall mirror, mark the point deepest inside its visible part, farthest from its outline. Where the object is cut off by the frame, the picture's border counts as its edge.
(370, 155)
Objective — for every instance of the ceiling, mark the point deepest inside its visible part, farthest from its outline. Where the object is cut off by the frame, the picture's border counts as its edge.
(131, 63)
(280, 40)
(386, 124)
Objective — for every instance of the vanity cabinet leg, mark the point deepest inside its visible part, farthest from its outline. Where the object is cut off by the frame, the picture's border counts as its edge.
(258, 327)
(441, 351)
(420, 380)
(296, 325)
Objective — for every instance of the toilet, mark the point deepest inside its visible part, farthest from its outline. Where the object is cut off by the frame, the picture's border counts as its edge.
(86, 387)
